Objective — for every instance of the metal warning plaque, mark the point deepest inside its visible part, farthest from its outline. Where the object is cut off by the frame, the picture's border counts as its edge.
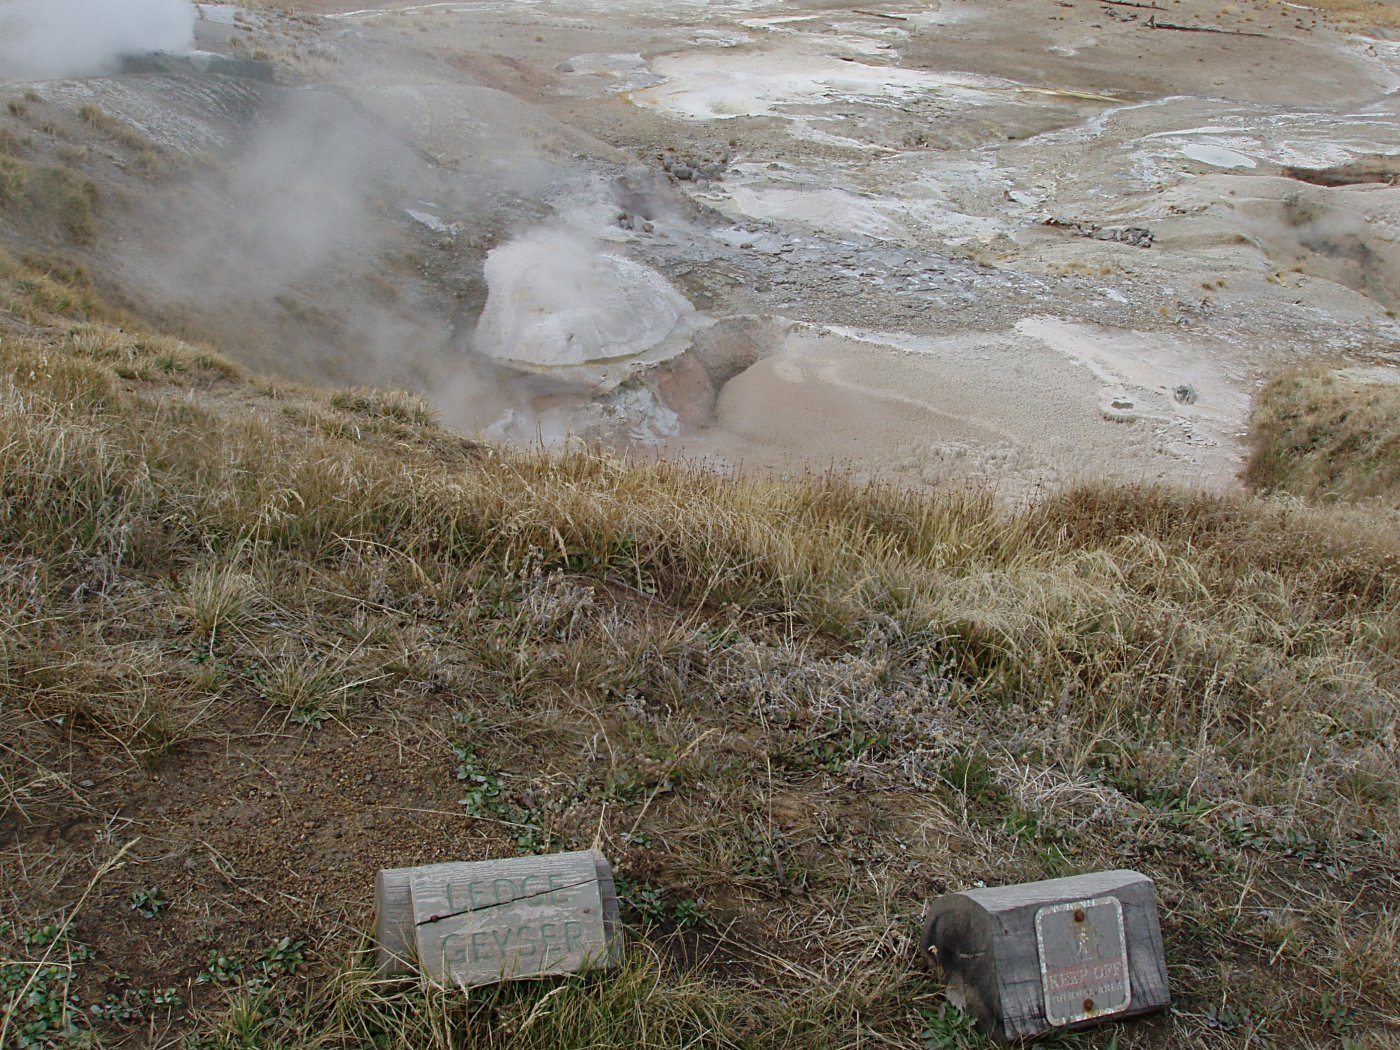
(1083, 960)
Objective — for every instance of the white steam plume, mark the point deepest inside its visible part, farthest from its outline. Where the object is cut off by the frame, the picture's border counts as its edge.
(48, 39)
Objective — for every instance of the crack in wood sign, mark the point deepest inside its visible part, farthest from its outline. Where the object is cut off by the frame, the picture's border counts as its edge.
(1064, 953)
(480, 922)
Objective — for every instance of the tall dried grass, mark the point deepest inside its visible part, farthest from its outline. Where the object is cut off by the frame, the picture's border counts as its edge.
(809, 702)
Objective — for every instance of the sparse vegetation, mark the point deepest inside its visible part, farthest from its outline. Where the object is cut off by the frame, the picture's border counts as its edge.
(396, 405)
(148, 158)
(1365, 14)
(950, 1029)
(1319, 434)
(148, 902)
(789, 713)
(49, 198)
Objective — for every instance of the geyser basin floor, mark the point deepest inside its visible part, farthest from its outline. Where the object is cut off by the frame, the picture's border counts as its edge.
(1023, 409)
(873, 187)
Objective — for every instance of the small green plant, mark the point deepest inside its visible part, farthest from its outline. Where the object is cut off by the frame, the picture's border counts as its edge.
(485, 796)
(283, 958)
(840, 743)
(222, 969)
(1238, 1019)
(970, 774)
(721, 637)
(532, 839)
(38, 938)
(950, 1029)
(688, 913)
(626, 788)
(652, 906)
(1242, 833)
(148, 903)
(136, 1004)
(646, 902)
(1340, 1018)
(312, 715)
(39, 1005)
(766, 854)
(484, 785)
(1034, 829)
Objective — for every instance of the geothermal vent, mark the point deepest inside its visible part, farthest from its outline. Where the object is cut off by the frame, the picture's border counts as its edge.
(554, 301)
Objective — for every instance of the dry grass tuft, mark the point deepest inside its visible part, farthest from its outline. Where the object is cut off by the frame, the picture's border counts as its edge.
(149, 159)
(49, 198)
(1322, 435)
(223, 597)
(129, 694)
(397, 405)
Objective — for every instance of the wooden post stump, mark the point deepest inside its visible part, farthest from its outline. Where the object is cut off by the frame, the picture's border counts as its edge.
(1065, 953)
(485, 921)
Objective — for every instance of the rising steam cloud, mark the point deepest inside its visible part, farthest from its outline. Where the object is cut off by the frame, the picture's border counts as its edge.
(46, 39)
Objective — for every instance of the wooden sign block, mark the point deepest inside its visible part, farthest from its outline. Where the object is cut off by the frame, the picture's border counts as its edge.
(1065, 953)
(394, 933)
(480, 922)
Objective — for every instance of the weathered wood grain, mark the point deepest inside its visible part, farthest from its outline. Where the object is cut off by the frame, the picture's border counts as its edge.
(394, 935)
(478, 922)
(986, 942)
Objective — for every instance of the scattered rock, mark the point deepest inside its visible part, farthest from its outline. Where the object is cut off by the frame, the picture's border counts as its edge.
(1137, 236)
(695, 167)
(1185, 394)
(1119, 409)
(637, 222)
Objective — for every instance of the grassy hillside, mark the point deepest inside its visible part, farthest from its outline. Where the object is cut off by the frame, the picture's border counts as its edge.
(1359, 14)
(1323, 435)
(257, 642)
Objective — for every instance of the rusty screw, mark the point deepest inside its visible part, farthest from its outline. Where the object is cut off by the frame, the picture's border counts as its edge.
(1088, 1006)
(1078, 914)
